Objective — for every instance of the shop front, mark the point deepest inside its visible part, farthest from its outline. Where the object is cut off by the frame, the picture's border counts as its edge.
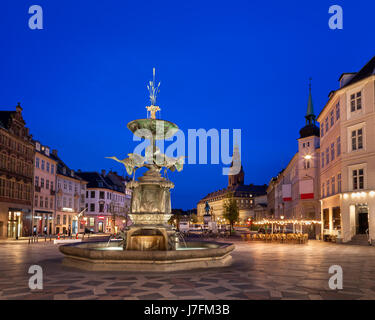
(43, 222)
(18, 224)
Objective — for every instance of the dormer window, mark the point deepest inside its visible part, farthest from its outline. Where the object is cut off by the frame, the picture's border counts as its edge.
(46, 151)
(37, 146)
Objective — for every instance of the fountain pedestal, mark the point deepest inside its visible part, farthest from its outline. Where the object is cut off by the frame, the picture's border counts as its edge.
(150, 212)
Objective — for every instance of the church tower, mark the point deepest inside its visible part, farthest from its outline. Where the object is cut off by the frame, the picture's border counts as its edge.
(236, 175)
(308, 157)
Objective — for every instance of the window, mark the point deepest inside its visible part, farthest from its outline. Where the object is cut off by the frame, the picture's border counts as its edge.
(58, 219)
(339, 182)
(333, 185)
(332, 151)
(327, 127)
(47, 184)
(306, 164)
(338, 147)
(92, 194)
(46, 202)
(92, 207)
(37, 162)
(47, 166)
(101, 195)
(358, 179)
(64, 219)
(101, 207)
(52, 168)
(64, 202)
(327, 186)
(323, 190)
(327, 155)
(322, 131)
(51, 185)
(36, 201)
(332, 118)
(357, 139)
(42, 167)
(42, 182)
(355, 101)
(41, 202)
(322, 159)
(37, 181)
(338, 111)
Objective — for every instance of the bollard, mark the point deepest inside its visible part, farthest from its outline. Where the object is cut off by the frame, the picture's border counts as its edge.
(29, 240)
(58, 236)
(77, 235)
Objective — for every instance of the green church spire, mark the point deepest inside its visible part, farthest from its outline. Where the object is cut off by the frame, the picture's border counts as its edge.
(310, 116)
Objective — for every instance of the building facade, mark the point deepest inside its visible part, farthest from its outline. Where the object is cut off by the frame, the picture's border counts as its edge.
(16, 175)
(243, 194)
(107, 202)
(70, 198)
(347, 168)
(294, 193)
(44, 190)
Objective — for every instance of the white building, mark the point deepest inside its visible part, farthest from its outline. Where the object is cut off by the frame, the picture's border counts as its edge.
(295, 190)
(70, 198)
(44, 190)
(107, 202)
(347, 168)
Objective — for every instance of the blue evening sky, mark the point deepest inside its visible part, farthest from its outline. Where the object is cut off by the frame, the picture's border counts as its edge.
(222, 64)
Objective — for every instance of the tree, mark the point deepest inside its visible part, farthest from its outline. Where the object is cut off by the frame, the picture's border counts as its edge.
(194, 218)
(231, 212)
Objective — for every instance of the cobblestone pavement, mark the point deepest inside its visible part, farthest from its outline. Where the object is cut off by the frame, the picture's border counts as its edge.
(259, 271)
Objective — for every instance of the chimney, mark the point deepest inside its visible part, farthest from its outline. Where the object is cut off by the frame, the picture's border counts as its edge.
(54, 152)
(103, 172)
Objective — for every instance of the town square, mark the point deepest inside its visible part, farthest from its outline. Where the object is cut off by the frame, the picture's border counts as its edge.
(208, 152)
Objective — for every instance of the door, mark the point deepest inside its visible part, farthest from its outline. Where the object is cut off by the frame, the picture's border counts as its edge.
(362, 222)
(100, 227)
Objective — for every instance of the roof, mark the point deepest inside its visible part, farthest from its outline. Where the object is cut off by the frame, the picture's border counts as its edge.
(367, 71)
(238, 191)
(5, 118)
(60, 168)
(96, 180)
(309, 130)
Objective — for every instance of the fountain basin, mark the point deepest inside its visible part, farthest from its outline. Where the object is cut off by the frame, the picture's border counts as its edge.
(96, 256)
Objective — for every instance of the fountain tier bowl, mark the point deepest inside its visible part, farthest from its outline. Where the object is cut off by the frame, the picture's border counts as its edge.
(153, 128)
(97, 256)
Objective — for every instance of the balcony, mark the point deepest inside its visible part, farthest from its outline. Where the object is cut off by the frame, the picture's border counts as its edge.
(52, 192)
